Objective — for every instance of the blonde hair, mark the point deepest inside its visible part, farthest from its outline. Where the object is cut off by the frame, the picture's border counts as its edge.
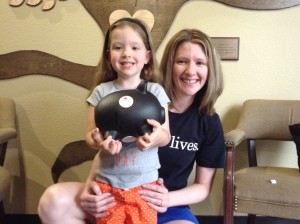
(206, 97)
(106, 73)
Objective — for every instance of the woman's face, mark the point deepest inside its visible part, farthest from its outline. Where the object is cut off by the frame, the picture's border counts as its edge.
(190, 69)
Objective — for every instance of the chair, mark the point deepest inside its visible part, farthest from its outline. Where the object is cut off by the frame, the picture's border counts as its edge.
(250, 190)
(7, 132)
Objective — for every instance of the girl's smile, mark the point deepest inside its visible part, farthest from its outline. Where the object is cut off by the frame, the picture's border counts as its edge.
(128, 54)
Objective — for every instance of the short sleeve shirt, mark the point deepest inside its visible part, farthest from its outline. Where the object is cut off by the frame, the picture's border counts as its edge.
(194, 138)
(131, 167)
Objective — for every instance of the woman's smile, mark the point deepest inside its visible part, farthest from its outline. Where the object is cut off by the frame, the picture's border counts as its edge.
(189, 81)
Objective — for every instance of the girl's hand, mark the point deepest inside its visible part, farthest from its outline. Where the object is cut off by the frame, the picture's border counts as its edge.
(156, 196)
(109, 145)
(149, 140)
(94, 202)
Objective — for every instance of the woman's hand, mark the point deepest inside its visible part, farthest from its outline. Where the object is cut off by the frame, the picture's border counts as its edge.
(94, 202)
(156, 196)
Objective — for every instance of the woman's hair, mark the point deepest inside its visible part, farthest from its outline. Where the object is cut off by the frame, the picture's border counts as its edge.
(207, 96)
(106, 72)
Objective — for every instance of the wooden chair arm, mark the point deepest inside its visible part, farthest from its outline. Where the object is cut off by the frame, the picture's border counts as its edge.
(234, 137)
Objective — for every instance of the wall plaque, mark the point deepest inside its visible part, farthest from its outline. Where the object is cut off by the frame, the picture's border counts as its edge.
(228, 47)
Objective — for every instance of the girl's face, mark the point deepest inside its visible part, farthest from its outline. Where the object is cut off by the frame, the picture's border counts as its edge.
(190, 69)
(128, 53)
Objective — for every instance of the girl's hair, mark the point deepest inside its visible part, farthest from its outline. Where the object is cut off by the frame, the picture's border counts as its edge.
(106, 72)
(207, 96)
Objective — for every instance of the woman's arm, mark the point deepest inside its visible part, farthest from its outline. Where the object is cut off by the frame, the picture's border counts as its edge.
(196, 192)
(160, 199)
(156, 195)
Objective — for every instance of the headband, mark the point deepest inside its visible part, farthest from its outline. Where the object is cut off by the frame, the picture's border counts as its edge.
(138, 23)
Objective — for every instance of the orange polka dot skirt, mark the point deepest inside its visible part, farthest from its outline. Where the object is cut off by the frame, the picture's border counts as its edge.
(130, 208)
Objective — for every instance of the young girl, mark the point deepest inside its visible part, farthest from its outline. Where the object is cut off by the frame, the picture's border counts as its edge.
(127, 59)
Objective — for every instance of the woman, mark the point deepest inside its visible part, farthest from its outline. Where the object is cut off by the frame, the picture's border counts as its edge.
(193, 80)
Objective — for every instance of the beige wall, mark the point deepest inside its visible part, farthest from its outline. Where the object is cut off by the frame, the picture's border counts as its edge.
(52, 112)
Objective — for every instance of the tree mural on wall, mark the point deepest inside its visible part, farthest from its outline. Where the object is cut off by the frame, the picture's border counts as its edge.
(21, 63)
(47, 5)
(256, 4)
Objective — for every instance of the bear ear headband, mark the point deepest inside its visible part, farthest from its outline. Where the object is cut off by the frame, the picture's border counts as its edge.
(145, 16)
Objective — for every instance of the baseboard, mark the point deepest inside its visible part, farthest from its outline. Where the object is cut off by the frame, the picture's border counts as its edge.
(20, 219)
(243, 220)
(34, 219)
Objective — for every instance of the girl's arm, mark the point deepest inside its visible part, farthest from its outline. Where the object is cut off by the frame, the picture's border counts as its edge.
(94, 138)
(160, 135)
(91, 199)
(93, 135)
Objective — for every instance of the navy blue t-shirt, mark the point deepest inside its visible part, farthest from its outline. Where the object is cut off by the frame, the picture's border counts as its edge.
(194, 138)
